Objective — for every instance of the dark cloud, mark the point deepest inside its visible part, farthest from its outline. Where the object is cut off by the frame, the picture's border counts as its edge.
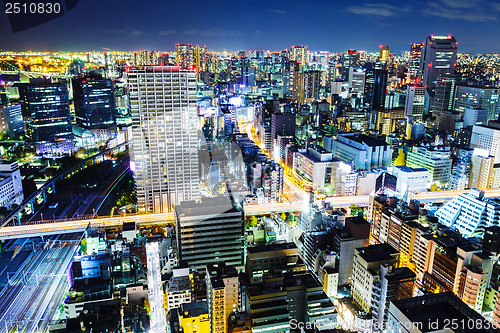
(167, 32)
(465, 10)
(277, 11)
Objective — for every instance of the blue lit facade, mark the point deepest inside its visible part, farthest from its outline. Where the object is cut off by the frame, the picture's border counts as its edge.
(45, 109)
(94, 103)
(15, 119)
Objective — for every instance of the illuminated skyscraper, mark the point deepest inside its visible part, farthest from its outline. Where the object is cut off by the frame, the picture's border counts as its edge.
(484, 97)
(375, 88)
(439, 56)
(189, 56)
(414, 73)
(415, 102)
(147, 58)
(292, 81)
(443, 96)
(384, 53)
(222, 295)
(94, 100)
(45, 109)
(311, 84)
(349, 60)
(298, 53)
(164, 136)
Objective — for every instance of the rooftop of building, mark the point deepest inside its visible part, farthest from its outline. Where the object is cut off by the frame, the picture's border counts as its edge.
(221, 270)
(310, 157)
(371, 141)
(401, 273)
(266, 289)
(205, 206)
(272, 247)
(439, 309)
(193, 309)
(161, 68)
(331, 270)
(306, 280)
(377, 252)
(405, 168)
(348, 303)
(483, 255)
(357, 220)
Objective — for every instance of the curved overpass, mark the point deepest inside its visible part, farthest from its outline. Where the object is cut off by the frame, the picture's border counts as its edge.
(40, 228)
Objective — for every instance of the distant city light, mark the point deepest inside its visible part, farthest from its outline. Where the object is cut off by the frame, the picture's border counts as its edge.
(236, 101)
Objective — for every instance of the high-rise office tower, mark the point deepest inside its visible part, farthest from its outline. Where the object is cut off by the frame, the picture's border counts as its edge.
(282, 124)
(94, 99)
(45, 108)
(415, 103)
(487, 137)
(164, 136)
(481, 173)
(222, 295)
(476, 96)
(439, 56)
(293, 81)
(11, 120)
(376, 280)
(443, 95)
(311, 84)
(210, 231)
(192, 56)
(349, 60)
(375, 88)
(414, 74)
(298, 53)
(384, 53)
(147, 58)
(357, 81)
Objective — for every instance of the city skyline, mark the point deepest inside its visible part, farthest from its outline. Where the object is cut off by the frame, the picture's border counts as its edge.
(268, 26)
(337, 171)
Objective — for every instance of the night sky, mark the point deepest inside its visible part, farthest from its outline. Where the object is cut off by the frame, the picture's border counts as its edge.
(330, 25)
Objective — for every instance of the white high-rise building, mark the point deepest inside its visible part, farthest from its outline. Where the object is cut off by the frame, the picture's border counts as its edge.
(470, 213)
(436, 160)
(164, 153)
(487, 137)
(415, 103)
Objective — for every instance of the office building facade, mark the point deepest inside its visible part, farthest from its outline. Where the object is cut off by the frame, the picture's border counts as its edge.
(210, 231)
(470, 213)
(47, 117)
(414, 74)
(164, 152)
(94, 103)
(487, 98)
(11, 120)
(439, 56)
(436, 160)
(415, 103)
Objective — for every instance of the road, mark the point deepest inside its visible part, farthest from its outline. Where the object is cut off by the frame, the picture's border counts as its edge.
(158, 318)
(42, 227)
